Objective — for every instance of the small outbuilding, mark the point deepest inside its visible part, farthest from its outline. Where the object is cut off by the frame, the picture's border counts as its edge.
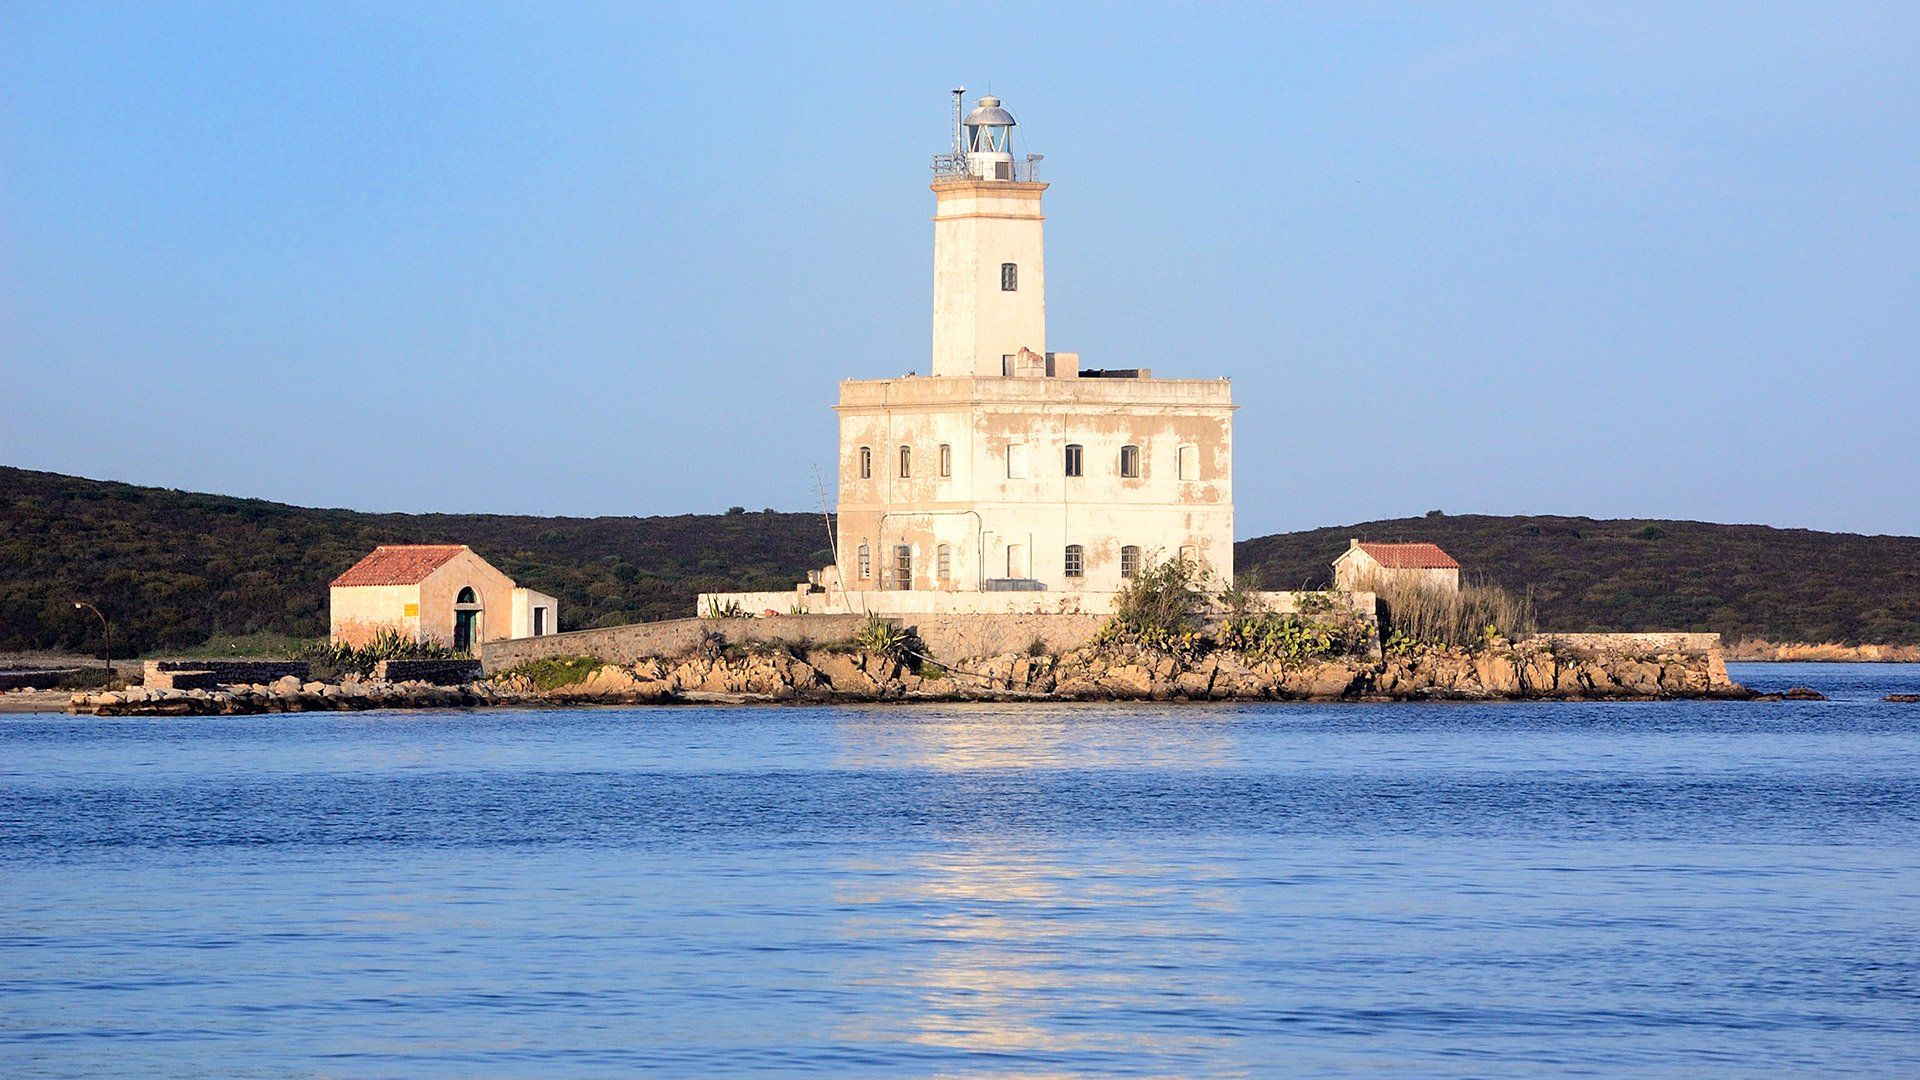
(1368, 566)
(441, 593)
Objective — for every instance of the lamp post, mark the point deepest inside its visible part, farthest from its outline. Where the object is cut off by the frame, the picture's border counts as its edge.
(106, 636)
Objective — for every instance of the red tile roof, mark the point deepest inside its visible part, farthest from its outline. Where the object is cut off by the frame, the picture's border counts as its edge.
(1410, 556)
(399, 564)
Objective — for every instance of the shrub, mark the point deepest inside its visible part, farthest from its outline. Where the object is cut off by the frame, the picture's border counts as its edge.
(1160, 608)
(1322, 628)
(729, 610)
(554, 672)
(334, 659)
(877, 635)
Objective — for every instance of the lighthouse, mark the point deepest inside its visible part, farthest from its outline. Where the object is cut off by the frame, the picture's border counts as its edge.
(1012, 480)
(989, 271)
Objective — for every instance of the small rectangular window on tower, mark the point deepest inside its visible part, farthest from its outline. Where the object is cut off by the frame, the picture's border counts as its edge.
(1009, 277)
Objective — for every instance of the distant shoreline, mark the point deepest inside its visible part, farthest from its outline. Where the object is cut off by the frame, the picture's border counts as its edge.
(1787, 652)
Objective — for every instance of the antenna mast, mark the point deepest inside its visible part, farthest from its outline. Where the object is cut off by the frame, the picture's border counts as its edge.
(959, 135)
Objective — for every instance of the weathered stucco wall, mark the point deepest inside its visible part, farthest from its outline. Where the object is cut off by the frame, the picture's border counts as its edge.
(493, 589)
(1005, 505)
(977, 227)
(357, 613)
(673, 637)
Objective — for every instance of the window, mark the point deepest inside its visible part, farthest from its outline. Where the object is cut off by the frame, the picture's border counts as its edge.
(944, 557)
(1076, 459)
(906, 462)
(1129, 561)
(1006, 364)
(866, 562)
(1188, 459)
(1016, 461)
(466, 596)
(946, 460)
(1130, 461)
(1009, 277)
(1076, 561)
(902, 566)
(1016, 560)
(866, 463)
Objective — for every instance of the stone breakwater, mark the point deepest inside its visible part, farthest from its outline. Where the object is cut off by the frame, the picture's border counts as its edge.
(293, 695)
(1095, 673)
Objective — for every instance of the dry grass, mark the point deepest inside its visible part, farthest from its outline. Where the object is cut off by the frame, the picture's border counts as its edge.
(1426, 615)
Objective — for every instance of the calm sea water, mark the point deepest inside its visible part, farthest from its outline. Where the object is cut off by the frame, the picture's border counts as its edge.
(1677, 889)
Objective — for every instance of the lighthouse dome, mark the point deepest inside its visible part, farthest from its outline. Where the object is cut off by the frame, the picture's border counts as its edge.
(989, 114)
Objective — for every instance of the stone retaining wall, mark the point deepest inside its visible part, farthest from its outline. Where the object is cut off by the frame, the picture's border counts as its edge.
(671, 637)
(1632, 644)
(39, 679)
(438, 672)
(954, 637)
(207, 674)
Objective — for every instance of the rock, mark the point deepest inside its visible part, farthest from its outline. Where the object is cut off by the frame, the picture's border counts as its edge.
(1133, 680)
(1496, 672)
(1637, 677)
(1802, 693)
(846, 673)
(1904, 699)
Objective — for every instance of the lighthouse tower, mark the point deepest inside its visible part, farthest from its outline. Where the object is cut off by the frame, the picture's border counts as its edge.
(1012, 480)
(989, 276)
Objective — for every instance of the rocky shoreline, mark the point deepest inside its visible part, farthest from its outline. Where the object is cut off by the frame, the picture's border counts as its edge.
(1107, 672)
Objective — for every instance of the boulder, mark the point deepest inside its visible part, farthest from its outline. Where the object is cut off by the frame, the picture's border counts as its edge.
(1496, 672)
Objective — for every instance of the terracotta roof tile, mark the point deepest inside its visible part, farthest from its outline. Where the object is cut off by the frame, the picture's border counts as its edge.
(1410, 556)
(399, 564)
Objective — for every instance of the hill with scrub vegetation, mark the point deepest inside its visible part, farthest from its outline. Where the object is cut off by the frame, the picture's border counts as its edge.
(176, 569)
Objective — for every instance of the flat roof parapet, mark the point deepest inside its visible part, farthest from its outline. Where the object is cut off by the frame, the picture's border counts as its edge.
(954, 390)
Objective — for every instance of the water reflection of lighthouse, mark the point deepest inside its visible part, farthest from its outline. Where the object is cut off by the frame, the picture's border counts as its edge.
(1013, 923)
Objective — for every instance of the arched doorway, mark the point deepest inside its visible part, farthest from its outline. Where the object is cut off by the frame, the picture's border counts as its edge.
(466, 620)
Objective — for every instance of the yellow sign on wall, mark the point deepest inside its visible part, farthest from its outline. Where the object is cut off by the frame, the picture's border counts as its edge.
(411, 611)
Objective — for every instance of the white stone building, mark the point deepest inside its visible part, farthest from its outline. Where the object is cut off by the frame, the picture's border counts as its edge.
(1373, 566)
(1011, 478)
(442, 593)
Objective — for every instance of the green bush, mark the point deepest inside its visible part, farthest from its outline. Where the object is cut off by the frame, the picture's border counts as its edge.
(553, 672)
(729, 610)
(1321, 628)
(880, 636)
(1160, 608)
(330, 659)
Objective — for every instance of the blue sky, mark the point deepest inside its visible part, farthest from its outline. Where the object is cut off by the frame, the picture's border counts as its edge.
(1654, 260)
